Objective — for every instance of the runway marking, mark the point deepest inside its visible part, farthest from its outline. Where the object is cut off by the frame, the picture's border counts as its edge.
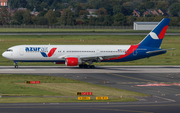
(174, 83)
(145, 85)
(165, 98)
(160, 84)
(129, 77)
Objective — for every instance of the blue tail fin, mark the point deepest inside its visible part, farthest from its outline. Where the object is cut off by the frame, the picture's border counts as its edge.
(155, 37)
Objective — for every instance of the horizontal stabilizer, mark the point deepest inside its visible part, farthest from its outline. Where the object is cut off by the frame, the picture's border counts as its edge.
(157, 51)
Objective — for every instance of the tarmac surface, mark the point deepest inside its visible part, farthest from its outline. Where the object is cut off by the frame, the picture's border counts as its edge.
(161, 82)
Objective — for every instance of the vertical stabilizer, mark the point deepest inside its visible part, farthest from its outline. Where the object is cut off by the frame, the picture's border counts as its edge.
(155, 37)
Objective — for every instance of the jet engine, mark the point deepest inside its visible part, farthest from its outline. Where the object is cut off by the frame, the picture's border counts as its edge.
(72, 61)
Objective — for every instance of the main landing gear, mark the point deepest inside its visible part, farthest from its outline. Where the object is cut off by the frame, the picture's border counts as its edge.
(15, 65)
(86, 66)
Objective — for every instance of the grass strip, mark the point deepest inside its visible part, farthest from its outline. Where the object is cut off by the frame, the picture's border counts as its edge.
(13, 87)
(56, 100)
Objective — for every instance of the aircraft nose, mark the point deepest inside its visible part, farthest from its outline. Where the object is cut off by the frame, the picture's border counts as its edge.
(4, 54)
(7, 55)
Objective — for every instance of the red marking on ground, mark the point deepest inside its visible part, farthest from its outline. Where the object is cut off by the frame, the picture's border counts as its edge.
(160, 84)
(155, 85)
(176, 84)
(86, 93)
(35, 82)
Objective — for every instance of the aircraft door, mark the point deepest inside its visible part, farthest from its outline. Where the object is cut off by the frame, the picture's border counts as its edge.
(21, 52)
(97, 51)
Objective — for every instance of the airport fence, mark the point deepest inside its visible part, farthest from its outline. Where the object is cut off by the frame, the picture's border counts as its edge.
(74, 27)
(66, 27)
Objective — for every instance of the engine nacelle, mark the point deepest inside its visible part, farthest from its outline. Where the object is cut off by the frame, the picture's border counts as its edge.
(72, 61)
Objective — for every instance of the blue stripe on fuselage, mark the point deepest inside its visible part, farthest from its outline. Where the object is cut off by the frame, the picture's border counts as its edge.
(44, 54)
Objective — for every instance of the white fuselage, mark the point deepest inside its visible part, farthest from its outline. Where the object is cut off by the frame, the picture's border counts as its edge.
(33, 52)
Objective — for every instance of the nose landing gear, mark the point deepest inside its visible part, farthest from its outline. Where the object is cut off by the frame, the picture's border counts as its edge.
(15, 65)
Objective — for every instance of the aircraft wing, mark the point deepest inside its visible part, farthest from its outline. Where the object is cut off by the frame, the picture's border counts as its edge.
(93, 56)
(101, 56)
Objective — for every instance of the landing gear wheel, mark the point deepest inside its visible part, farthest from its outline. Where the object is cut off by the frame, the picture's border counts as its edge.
(92, 66)
(16, 66)
(88, 66)
(81, 66)
(85, 65)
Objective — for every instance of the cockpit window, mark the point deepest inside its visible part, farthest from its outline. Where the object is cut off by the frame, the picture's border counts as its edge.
(9, 50)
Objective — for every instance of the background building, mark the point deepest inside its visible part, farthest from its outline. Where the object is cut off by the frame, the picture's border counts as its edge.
(144, 25)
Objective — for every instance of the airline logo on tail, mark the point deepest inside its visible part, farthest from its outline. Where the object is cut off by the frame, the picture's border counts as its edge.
(161, 34)
(51, 52)
(155, 37)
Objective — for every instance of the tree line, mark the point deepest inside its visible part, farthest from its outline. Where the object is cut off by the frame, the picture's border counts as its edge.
(109, 12)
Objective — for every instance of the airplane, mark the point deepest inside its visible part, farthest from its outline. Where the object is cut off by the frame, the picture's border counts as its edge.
(85, 55)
